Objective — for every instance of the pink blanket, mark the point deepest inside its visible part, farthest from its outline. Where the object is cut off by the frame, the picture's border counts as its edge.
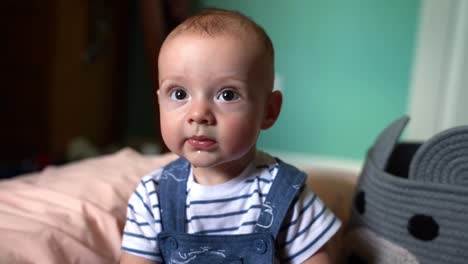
(73, 213)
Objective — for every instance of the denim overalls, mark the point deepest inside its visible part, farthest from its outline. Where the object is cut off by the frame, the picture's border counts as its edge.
(178, 247)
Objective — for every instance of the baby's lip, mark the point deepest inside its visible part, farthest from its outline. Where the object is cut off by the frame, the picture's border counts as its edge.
(200, 138)
(201, 142)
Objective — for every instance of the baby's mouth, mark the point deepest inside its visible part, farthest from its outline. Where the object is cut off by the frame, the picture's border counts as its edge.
(201, 142)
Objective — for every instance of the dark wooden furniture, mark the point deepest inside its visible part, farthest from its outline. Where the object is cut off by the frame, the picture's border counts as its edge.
(63, 75)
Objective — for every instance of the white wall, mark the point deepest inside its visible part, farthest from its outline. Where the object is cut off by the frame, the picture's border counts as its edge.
(439, 89)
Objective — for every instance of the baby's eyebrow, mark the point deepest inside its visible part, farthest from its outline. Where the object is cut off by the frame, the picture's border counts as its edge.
(230, 78)
(221, 78)
(171, 79)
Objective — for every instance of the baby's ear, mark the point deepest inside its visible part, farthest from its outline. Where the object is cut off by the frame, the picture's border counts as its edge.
(158, 95)
(272, 109)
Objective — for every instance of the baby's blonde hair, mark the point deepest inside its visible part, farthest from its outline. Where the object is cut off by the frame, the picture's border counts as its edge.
(215, 21)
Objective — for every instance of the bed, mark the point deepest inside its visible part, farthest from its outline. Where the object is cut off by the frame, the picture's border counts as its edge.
(75, 213)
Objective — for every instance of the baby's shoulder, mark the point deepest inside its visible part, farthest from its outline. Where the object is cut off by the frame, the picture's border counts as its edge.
(153, 175)
(150, 181)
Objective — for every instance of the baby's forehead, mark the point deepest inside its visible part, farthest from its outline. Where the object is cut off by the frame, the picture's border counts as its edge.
(242, 42)
(244, 36)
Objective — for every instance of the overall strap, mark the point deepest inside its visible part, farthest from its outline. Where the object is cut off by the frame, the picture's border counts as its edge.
(286, 186)
(172, 195)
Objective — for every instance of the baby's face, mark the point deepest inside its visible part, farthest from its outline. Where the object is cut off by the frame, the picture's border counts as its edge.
(212, 98)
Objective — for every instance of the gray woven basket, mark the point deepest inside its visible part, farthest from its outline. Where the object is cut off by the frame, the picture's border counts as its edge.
(411, 201)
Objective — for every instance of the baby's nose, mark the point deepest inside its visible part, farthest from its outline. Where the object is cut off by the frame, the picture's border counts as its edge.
(201, 113)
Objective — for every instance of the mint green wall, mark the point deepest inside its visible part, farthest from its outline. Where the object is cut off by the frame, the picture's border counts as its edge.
(345, 68)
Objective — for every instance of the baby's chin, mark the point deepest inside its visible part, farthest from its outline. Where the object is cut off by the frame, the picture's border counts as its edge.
(204, 159)
(235, 160)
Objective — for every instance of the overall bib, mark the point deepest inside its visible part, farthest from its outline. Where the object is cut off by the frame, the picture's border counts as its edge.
(178, 247)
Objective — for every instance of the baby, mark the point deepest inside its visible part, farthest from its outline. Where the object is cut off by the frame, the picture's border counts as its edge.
(222, 201)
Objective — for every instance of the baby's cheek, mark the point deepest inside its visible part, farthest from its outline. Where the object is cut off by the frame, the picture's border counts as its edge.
(241, 134)
(170, 132)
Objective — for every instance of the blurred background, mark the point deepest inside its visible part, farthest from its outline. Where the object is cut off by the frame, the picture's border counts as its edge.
(79, 75)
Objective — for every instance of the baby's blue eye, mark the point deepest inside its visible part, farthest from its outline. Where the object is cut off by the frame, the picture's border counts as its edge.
(228, 96)
(178, 94)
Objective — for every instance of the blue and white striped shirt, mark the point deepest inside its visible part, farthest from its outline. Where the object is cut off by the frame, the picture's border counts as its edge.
(230, 208)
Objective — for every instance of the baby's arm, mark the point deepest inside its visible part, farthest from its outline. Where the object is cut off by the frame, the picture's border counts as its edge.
(139, 244)
(306, 231)
(320, 257)
(132, 259)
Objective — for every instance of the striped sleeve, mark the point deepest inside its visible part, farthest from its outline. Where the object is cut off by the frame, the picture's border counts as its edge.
(143, 222)
(309, 225)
